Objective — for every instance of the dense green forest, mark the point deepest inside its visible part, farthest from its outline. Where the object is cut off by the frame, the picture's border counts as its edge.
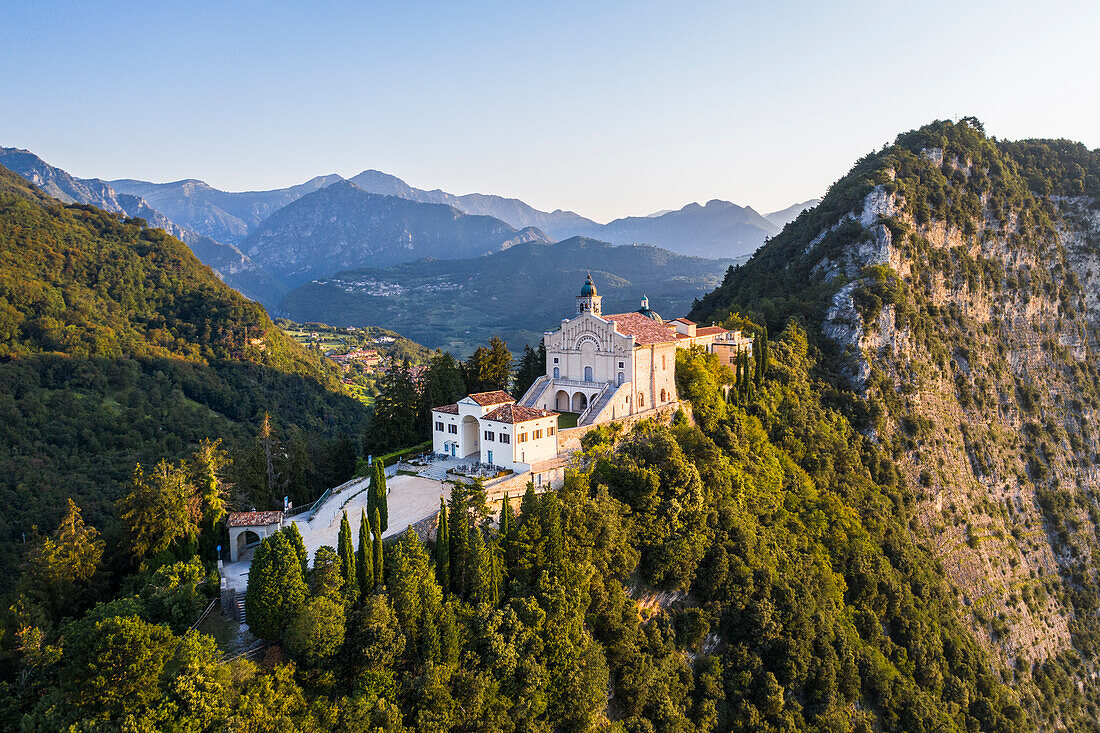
(117, 347)
(778, 587)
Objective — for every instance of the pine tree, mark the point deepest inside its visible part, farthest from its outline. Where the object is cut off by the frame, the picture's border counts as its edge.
(267, 443)
(442, 549)
(393, 421)
(489, 367)
(346, 550)
(364, 557)
(376, 528)
(444, 384)
(532, 365)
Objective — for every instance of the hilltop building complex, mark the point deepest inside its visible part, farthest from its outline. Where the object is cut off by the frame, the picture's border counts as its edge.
(601, 367)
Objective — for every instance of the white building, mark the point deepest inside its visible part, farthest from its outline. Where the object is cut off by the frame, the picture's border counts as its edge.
(491, 428)
(602, 367)
(606, 367)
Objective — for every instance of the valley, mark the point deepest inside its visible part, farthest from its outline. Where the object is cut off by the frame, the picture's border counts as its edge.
(456, 304)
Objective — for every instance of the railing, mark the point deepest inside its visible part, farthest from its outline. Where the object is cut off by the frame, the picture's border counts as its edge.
(541, 383)
(579, 383)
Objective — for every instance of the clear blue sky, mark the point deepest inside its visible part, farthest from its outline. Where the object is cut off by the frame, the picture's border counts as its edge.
(608, 109)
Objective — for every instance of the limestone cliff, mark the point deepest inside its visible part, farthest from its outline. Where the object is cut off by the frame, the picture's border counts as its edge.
(952, 281)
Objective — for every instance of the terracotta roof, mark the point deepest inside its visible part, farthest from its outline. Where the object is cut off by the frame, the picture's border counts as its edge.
(253, 519)
(644, 330)
(495, 397)
(684, 320)
(709, 331)
(516, 413)
(449, 409)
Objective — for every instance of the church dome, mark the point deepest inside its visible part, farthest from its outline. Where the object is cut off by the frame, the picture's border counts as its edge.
(648, 312)
(589, 287)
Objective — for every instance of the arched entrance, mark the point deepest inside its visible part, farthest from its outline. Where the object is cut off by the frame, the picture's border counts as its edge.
(580, 402)
(245, 540)
(561, 401)
(470, 442)
(588, 374)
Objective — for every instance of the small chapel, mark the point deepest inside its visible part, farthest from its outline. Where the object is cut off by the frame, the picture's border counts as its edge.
(602, 367)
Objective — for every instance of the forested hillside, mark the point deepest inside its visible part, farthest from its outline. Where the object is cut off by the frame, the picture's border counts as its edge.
(950, 282)
(516, 294)
(766, 541)
(117, 346)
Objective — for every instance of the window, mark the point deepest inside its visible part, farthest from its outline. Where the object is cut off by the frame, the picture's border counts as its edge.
(622, 378)
(550, 431)
(662, 395)
(521, 438)
(557, 372)
(505, 438)
(439, 427)
(621, 365)
(489, 436)
(536, 434)
(663, 361)
(641, 399)
(555, 360)
(452, 429)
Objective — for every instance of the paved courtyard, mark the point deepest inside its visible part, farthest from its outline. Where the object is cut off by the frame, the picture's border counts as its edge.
(411, 499)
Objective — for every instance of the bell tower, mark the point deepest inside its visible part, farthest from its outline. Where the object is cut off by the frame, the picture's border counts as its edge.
(589, 301)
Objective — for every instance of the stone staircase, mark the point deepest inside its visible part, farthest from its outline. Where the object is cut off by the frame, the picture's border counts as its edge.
(435, 473)
(602, 400)
(534, 393)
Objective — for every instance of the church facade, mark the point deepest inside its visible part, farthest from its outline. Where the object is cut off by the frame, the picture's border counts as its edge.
(601, 367)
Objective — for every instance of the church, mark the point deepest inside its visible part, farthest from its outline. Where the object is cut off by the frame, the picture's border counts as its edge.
(601, 367)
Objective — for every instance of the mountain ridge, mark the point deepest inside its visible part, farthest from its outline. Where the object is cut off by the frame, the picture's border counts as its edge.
(950, 279)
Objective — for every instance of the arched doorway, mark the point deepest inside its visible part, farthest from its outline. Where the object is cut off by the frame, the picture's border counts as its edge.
(470, 443)
(588, 374)
(245, 540)
(561, 401)
(557, 373)
(580, 402)
(621, 379)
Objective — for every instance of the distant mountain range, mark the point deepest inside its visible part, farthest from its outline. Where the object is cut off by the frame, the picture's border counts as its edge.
(343, 226)
(265, 243)
(718, 229)
(517, 293)
(221, 215)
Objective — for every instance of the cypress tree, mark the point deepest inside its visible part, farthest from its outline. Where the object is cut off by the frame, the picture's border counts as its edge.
(507, 519)
(372, 490)
(276, 588)
(479, 572)
(442, 549)
(496, 574)
(376, 527)
(299, 545)
(381, 499)
(346, 550)
(459, 532)
(364, 559)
